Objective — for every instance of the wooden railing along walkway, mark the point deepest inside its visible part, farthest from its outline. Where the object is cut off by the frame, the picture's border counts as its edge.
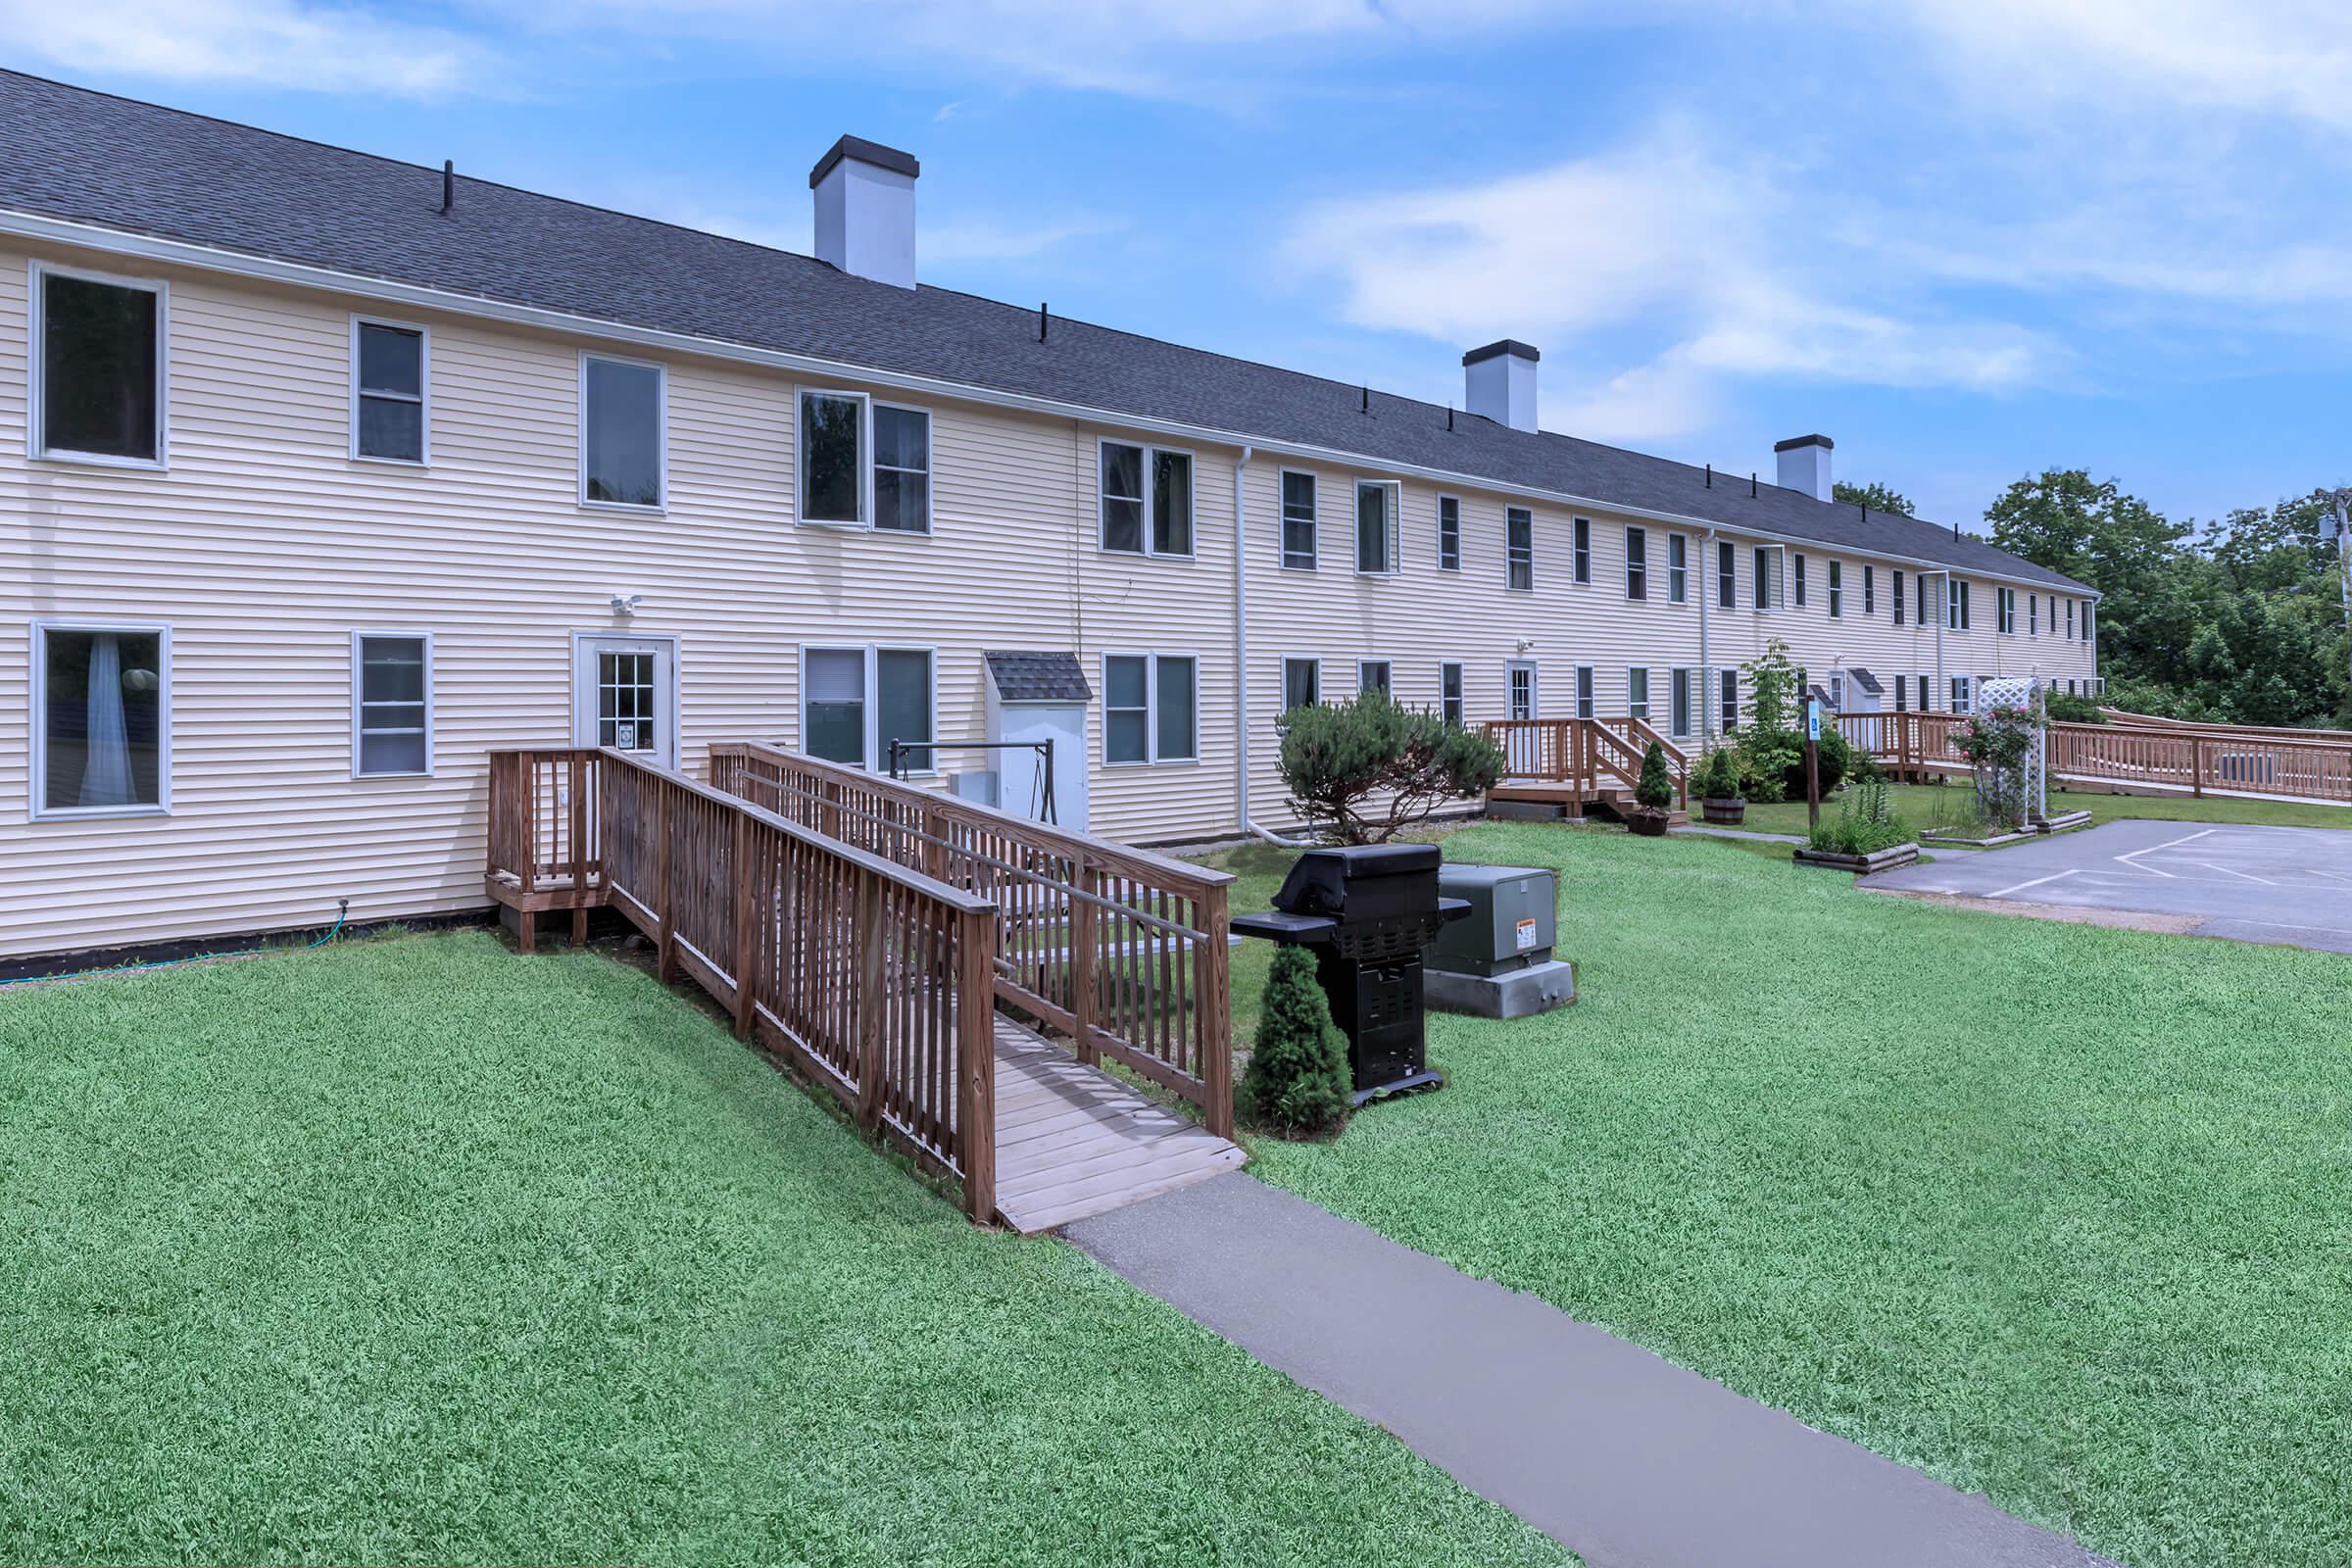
(1591, 754)
(873, 978)
(2234, 760)
(1124, 952)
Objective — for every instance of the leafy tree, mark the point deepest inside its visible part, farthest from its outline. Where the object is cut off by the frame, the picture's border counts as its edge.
(1772, 744)
(1368, 770)
(1298, 1079)
(1877, 497)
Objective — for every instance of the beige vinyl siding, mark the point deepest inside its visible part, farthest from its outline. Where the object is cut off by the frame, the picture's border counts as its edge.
(266, 545)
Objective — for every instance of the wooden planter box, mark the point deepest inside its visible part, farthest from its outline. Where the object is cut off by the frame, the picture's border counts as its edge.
(1885, 860)
(1724, 814)
(1648, 824)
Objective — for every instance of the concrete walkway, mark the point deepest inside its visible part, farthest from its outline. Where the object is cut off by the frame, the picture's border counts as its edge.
(1625, 1460)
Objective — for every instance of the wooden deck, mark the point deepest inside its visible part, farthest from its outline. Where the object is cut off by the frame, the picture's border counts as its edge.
(1073, 1141)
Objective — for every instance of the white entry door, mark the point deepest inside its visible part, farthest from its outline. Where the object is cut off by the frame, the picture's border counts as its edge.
(624, 695)
(1525, 753)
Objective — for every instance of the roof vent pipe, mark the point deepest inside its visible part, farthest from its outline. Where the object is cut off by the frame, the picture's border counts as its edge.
(866, 210)
(449, 184)
(1805, 464)
(1498, 384)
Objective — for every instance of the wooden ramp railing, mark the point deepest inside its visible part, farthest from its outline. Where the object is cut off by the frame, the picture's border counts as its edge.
(1124, 952)
(1584, 751)
(873, 978)
(2230, 760)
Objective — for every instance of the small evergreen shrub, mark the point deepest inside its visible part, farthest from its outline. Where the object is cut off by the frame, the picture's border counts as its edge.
(1297, 1081)
(1718, 776)
(1655, 787)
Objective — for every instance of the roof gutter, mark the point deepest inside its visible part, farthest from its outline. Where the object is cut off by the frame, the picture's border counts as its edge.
(241, 264)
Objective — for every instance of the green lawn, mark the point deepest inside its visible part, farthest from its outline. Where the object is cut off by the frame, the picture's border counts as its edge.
(2059, 1213)
(1917, 801)
(419, 1251)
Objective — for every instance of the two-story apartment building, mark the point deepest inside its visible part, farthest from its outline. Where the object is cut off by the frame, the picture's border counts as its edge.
(322, 475)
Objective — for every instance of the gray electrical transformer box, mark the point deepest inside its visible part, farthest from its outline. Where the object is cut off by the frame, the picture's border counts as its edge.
(1512, 922)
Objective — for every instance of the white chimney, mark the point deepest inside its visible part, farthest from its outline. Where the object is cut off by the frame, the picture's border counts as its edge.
(1498, 382)
(1805, 464)
(866, 210)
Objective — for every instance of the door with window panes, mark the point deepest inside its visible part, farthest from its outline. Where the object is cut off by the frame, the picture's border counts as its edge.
(1524, 756)
(621, 697)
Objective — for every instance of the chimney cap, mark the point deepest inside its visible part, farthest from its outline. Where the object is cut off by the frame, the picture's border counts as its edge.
(1795, 441)
(866, 152)
(1508, 345)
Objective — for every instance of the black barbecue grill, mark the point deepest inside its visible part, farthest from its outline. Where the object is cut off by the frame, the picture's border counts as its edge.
(1367, 911)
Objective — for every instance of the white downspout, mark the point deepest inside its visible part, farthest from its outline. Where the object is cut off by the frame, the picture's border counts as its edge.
(1240, 657)
(1709, 700)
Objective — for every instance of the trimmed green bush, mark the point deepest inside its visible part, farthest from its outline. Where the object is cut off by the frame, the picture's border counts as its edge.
(1655, 788)
(1297, 1080)
(1718, 777)
(1367, 770)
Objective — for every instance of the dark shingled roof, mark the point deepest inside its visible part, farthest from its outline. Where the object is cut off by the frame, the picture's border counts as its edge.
(1866, 680)
(1032, 677)
(68, 153)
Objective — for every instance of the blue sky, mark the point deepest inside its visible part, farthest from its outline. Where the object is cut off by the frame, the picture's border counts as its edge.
(1966, 238)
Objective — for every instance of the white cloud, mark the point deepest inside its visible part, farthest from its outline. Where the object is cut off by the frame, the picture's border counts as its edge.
(272, 43)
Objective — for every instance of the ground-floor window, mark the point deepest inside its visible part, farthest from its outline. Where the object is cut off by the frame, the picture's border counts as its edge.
(1150, 707)
(1678, 709)
(1584, 691)
(1302, 681)
(1902, 695)
(1924, 704)
(1637, 693)
(391, 702)
(1372, 675)
(1960, 694)
(1727, 691)
(1449, 694)
(855, 701)
(102, 720)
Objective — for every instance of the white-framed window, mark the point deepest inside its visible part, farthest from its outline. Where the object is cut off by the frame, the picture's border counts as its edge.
(1926, 603)
(1450, 533)
(1902, 693)
(99, 382)
(1768, 576)
(1796, 571)
(625, 433)
(902, 482)
(391, 704)
(1147, 499)
(1637, 692)
(1727, 575)
(391, 391)
(1519, 549)
(2032, 614)
(856, 698)
(1960, 702)
(101, 718)
(1924, 692)
(1301, 683)
(1637, 563)
(864, 462)
(2089, 604)
(1677, 568)
(1372, 675)
(2004, 608)
(1678, 702)
(1870, 589)
(1727, 692)
(1584, 691)
(1837, 691)
(1151, 708)
(1297, 519)
(1449, 693)
(1580, 559)
(1896, 597)
(1955, 595)
(2070, 621)
(1835, 572)
(1377, 503)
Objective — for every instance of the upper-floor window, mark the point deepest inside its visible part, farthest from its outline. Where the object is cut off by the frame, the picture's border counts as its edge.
(102, 719)
(1376, 509)
(2070, 621)
(2004, 608)
(98, 393)
(1150, 707)
(1927, 607)
(1797, 569)
(1297, 519)
(1581, 556)
(1767, 577)
(1727, 578)
(854, 702)
(1677, 568)
(388, 391)
(1301, 681)
(621, 432)
(1519, 548)
(2032, 614)
(1955, 601)
(1146, 500)
(1870, 589)
(2087, 606)
(391, 702)
(1449, 694)
(1897, 599)
(1637, 564)
(1450, 533)
(1372, 675)
(839, 487)
(1837, 577)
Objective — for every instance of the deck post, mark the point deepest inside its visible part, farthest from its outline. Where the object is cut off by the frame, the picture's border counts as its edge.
(870, 1009)
(1086, 953)
(2196, 766)
(1213, 995)
(745, 977)
(579, 849)
(666, 944)
(976, 1061)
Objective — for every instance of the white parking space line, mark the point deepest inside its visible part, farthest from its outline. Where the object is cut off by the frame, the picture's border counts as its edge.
(2036, 882)
(2133, 859)
(2240, 875)
(2319, 870)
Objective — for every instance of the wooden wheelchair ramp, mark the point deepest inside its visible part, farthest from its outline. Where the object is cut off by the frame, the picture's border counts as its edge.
(1074, 1140)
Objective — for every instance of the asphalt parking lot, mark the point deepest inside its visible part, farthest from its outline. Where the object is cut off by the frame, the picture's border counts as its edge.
(2283, 885)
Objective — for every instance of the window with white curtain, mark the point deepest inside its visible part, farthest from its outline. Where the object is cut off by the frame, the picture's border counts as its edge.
(1146, 500)
(102, 720)
(855, 701)
(1372, 675)
(391, 704)
(1301, 683)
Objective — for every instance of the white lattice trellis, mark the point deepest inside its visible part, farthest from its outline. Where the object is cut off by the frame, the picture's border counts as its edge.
(2026, 692)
